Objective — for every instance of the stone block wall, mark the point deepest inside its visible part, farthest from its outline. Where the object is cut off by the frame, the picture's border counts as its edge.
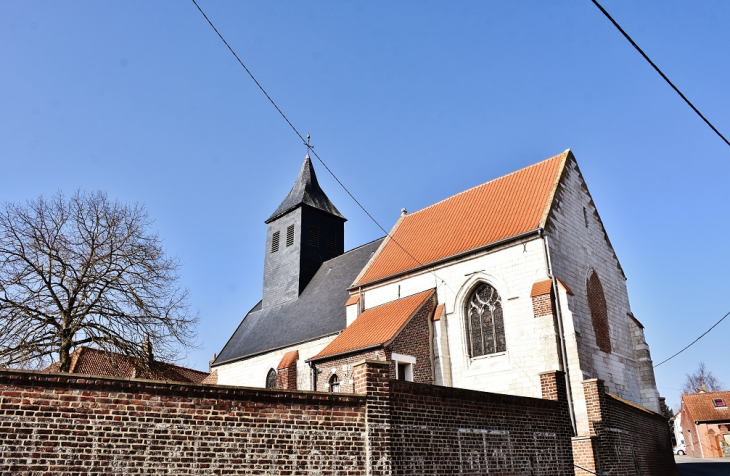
(579, 246)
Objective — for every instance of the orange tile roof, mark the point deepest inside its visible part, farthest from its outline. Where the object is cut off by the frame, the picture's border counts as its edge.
(437, 313)
(211, 379)
(90, 361)
(288, 359)
(541, 287)
(544, 287)
(701, 408)
(502, 208)
(375, 326)
(352, 300)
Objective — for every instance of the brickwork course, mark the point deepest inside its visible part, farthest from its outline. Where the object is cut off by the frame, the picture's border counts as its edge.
(68, 424)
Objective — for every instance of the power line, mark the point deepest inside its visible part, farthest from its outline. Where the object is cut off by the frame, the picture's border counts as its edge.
(626, 35)
(306, 143)
(694, 341)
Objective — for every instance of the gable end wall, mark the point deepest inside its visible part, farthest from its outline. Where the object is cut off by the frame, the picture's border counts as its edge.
(576, 249)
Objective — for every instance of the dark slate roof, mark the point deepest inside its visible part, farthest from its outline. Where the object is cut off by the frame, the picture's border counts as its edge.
(306, 191)
(319, 310)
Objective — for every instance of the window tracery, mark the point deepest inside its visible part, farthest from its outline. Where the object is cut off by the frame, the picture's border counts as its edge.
(484, 322)
(271, 379)
(334, 384)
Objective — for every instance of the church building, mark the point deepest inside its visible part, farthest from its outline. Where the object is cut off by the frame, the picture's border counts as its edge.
(485, 290)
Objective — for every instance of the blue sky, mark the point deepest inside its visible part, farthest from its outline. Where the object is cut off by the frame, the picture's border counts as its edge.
(408, 102)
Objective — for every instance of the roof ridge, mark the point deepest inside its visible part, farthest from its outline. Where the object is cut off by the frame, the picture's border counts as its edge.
(703, 394)
(488, 182)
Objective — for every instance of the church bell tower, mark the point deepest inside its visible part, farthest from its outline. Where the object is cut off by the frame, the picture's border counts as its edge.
(304, 231)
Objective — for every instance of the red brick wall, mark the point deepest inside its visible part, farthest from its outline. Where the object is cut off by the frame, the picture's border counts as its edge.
(59, 424)
(286, 377)
(344, 368)
(702, 440)
(542, 305)
(62, 425)
(599, 312)
(415, 340)
(621, 430)
(445, 431)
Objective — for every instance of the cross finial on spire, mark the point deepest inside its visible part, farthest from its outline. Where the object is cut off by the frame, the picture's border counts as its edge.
(309, 147)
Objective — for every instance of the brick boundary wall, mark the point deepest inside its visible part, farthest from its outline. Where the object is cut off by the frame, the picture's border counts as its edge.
(618, 431)
(443, 430)
(60, 424)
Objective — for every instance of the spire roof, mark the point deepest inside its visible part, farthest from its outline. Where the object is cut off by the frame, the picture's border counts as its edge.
(306, 191)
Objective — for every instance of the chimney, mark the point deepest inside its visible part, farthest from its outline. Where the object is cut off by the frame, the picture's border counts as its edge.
(210, 363)
(147, 354)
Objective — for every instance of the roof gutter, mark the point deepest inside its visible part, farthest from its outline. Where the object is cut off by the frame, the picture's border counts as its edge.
(255, 354)
(433, 264)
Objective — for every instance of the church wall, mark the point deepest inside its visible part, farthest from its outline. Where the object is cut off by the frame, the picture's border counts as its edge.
(414, 340)
(575, 250)
(441, 353)
(531, 342)
(252, 372)
(343, 367)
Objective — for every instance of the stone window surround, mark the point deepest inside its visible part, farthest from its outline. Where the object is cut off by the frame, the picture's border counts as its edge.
(461, 300)
(404, 359)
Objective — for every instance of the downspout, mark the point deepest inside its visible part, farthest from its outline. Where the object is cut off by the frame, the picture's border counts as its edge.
(561, 334)
(313, 373)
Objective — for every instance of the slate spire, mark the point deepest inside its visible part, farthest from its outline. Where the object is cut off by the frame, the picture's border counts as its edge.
(305, 231)
(306, 191)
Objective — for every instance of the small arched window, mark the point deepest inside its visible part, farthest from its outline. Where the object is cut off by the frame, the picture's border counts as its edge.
(334, 384)
(271, 379)
(484, 322)
(599, 312)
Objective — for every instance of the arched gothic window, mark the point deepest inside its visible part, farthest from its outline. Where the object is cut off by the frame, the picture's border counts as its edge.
(484, 322)
(334, 384)
(599, 312)
(271, 379)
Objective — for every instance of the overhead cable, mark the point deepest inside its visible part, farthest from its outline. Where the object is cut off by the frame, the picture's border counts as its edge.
(626, 35)
(306, 142)
(694, 341)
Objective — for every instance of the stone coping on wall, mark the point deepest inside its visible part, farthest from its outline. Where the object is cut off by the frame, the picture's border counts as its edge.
(635, 406)
(471, 395)
(58, 379)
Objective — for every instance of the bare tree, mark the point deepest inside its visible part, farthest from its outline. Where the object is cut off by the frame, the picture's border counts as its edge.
(701, 380)
(86, 271)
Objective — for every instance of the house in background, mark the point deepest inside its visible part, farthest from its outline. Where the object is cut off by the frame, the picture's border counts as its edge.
(485, 290)
(705, 424)
(91, 361)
